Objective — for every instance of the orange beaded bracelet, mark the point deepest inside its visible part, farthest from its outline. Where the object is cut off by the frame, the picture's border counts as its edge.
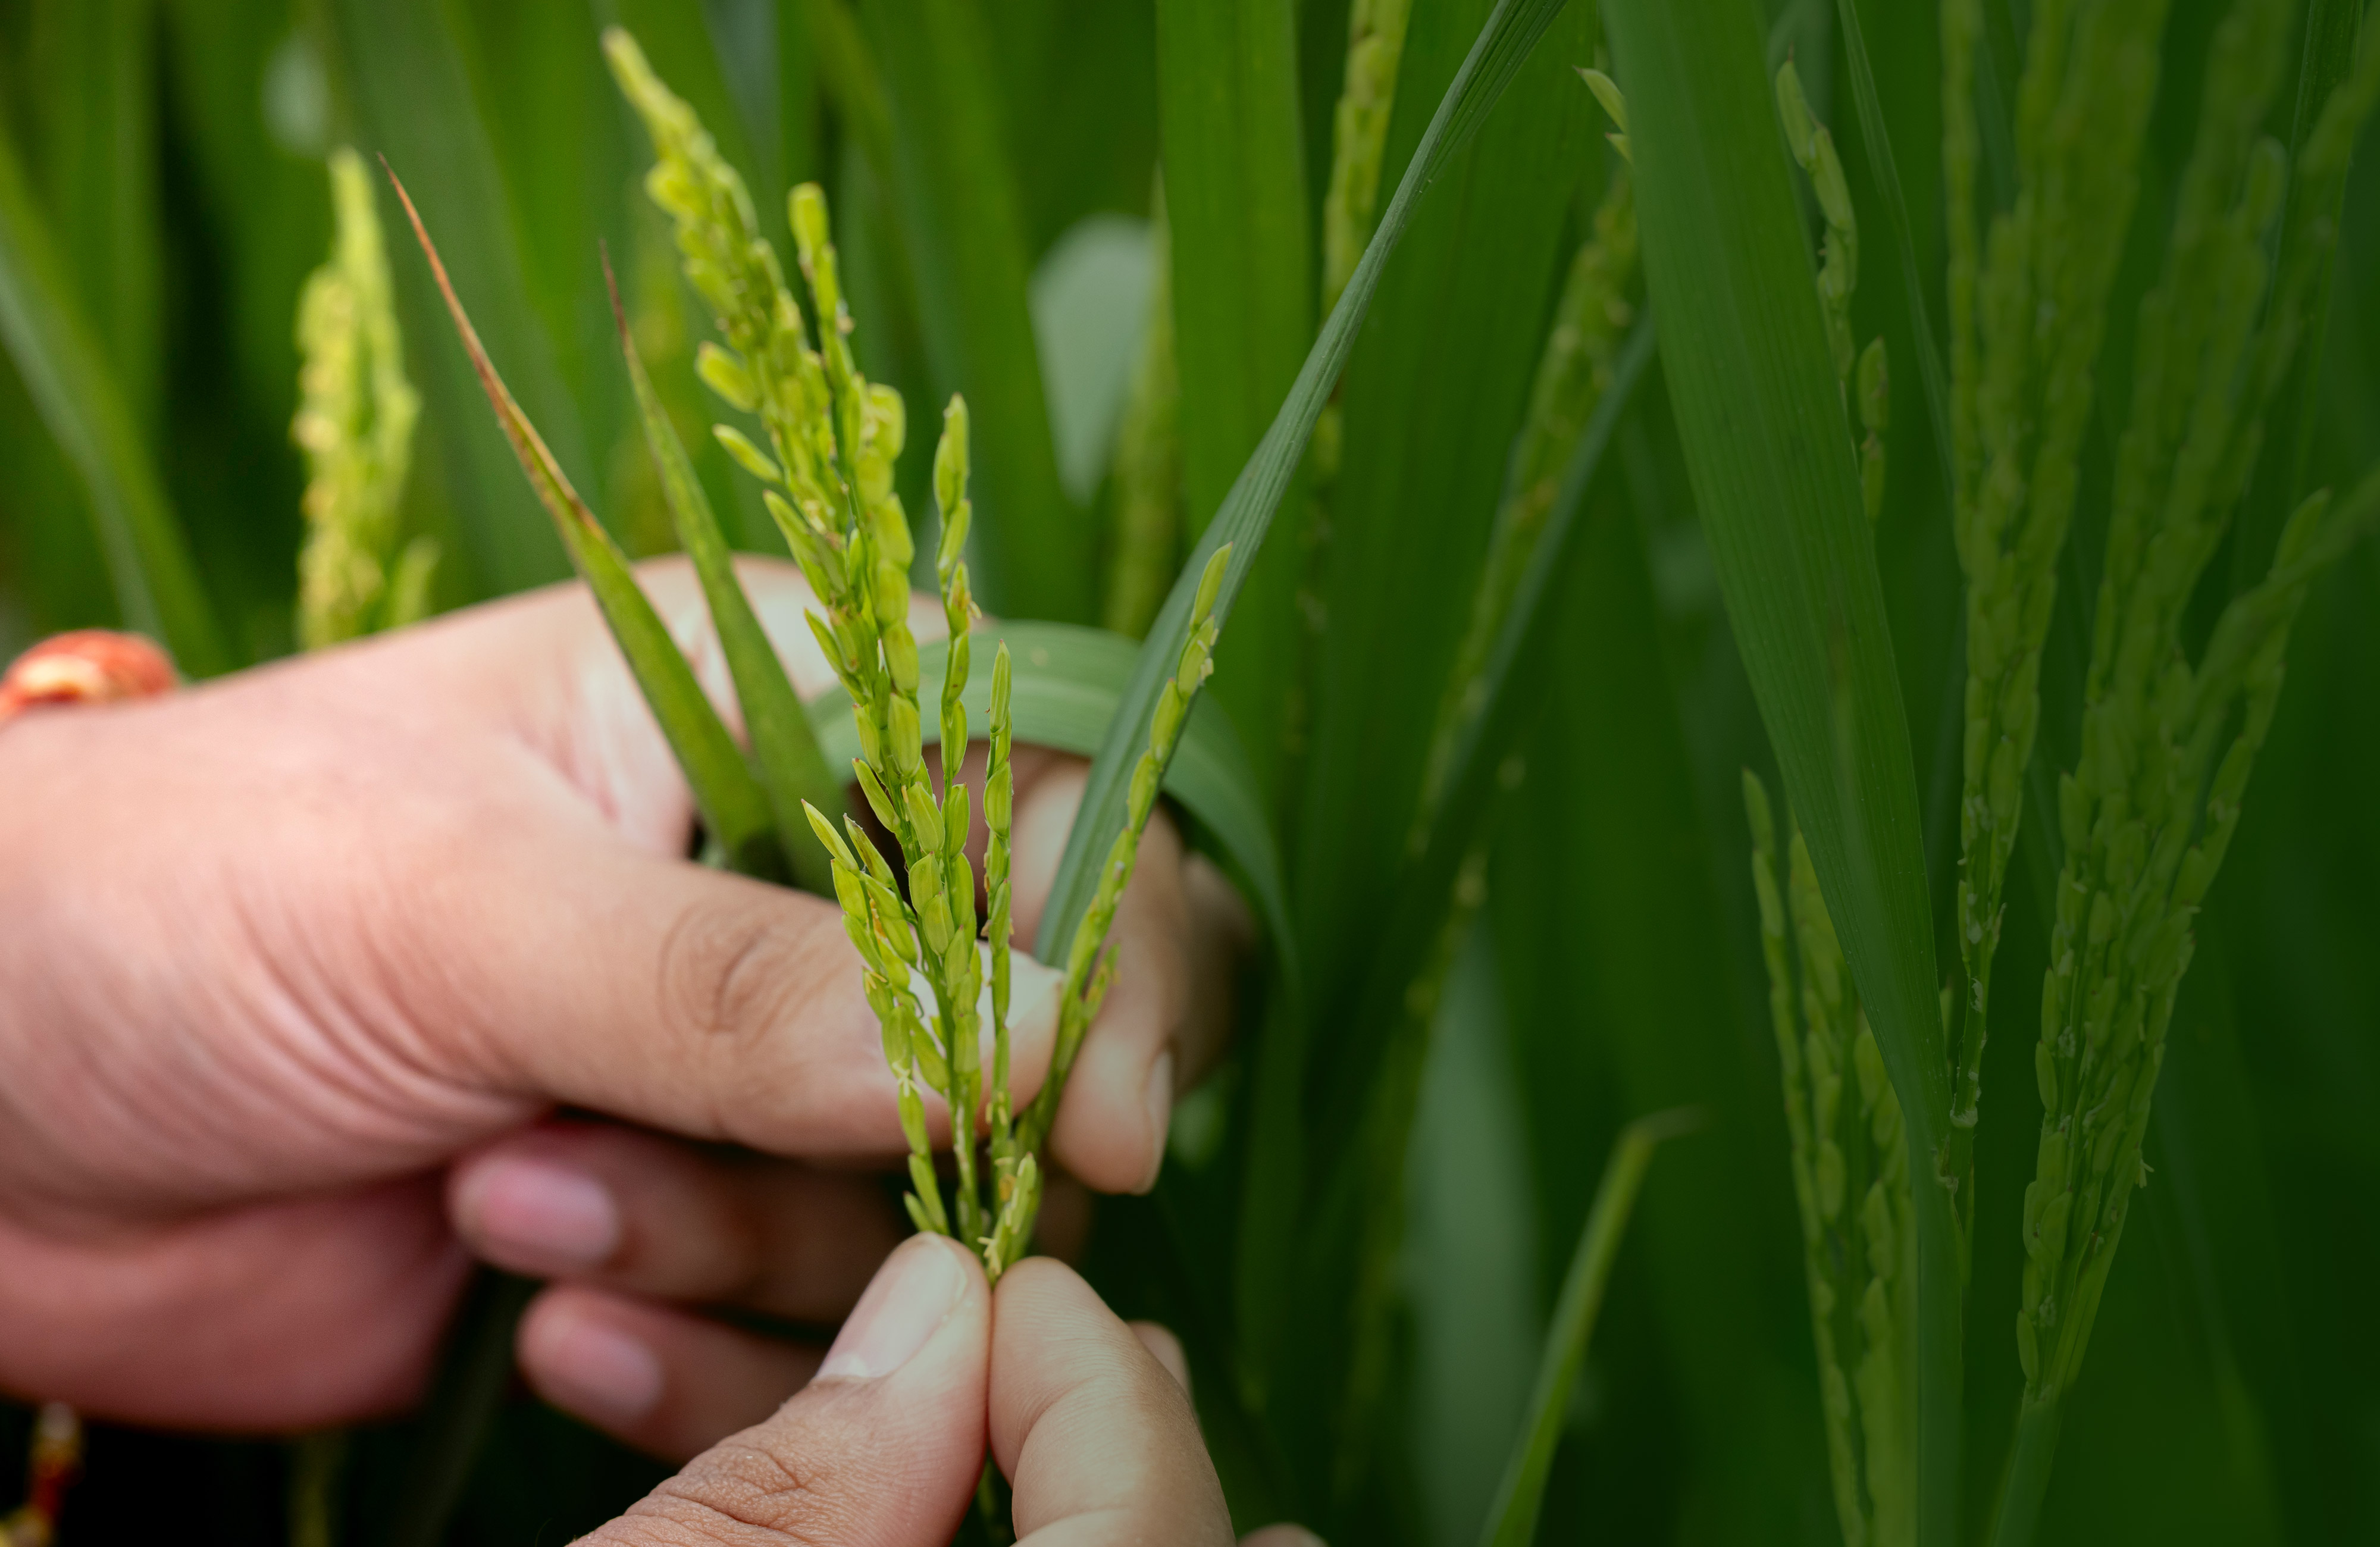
(89, 665)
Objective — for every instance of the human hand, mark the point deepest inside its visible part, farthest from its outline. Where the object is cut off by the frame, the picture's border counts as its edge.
(277, 951)
(1088, 1418)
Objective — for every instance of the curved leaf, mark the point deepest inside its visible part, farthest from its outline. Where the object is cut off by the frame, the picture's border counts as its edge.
(1513, 1520)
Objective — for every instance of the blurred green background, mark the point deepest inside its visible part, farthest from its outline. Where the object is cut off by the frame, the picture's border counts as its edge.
(992, 165)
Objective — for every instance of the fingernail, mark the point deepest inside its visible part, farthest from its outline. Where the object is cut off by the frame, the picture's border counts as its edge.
(913, 1294)
(1158, 1097)
(598, 1372)
(1282, 1534)
(534, 1211)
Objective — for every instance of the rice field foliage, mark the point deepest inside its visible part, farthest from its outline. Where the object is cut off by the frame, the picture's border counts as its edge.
(1719, 576)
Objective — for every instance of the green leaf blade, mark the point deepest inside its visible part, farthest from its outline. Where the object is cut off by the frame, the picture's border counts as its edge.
(405, 69)
(955, 189)
(1241, 269)
(1422, 892)
(730, 799)
(157, 586)
(793, 769)
(1769, 447)
(1437, 393)
(1629, 985)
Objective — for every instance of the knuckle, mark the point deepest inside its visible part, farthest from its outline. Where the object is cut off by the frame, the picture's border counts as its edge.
(732, 967)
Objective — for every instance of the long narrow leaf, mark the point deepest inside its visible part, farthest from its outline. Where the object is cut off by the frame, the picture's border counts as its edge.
(1424, 889)
(1237, 215)
(956, 190)
(732, 803)
(92, 143)
(563, 155)
(793, 769)
(1067, 681)
(1437, 394)
(404, 74)
(1769, 447)
(1246, 513)
(1438, 391)
(1239, 225)
(157, 586)
(1513, 1520)
(798, 152)
(851, 80)
(267, 218)
(1351, 1085)
(1613, 919)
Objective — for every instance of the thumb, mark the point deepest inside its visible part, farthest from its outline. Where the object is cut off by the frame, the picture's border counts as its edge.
(882, 1449)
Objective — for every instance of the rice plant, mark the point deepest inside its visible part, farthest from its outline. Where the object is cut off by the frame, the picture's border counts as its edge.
(355, 423)
(2167, 746)
(1929, 437)
(1850, 1180)
(1850, 1157)
(835, 438)
(2026, 332)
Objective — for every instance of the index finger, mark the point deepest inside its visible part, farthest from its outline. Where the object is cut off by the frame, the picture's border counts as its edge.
(575, 970)
(1098, 1438)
